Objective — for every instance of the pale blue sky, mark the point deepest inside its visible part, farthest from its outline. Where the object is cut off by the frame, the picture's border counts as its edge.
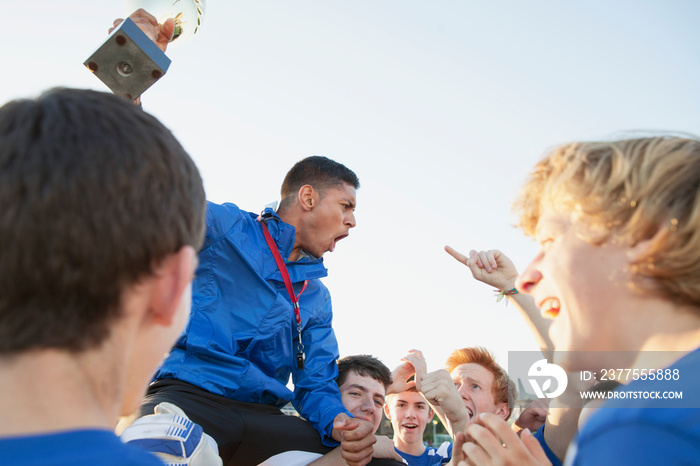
(440, 107)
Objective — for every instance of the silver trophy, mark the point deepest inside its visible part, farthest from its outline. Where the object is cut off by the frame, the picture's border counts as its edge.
(129, 62)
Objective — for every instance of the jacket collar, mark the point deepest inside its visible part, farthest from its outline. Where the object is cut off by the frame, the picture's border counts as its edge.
(283, 234)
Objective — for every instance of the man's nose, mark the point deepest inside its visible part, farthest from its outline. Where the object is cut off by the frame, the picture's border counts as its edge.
(464, 392)
(410, 412)
(530, 277)
(350, 220)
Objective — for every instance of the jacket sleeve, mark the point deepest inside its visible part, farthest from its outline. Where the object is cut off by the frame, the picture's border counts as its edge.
(316, 394)
(220, 219)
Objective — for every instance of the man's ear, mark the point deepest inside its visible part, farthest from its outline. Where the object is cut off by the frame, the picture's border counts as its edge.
(308, 197)
(502, 411)
(387, 411)
(170, 280)
(639, 250)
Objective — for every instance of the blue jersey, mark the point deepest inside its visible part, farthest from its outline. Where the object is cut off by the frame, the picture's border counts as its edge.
(539, 435)
(431, 456)
(637, 430)
(73, 448)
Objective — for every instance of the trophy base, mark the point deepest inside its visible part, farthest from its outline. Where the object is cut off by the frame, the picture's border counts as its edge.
(128, 62)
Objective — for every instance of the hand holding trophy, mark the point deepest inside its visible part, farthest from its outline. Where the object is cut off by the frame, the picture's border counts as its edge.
(132, 58)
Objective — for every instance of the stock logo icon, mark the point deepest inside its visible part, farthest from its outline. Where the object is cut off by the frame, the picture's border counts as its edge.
(541, 374)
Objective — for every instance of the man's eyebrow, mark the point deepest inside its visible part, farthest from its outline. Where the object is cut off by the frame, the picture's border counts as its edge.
(468, 378)
(399, 400)
(472, 379)
(351, 202)
(553, 226)
(365, 389)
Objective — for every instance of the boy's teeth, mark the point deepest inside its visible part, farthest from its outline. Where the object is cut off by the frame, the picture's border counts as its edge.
(551, 307)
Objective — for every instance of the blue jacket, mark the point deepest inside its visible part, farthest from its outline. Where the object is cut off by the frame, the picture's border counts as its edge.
(241, 339)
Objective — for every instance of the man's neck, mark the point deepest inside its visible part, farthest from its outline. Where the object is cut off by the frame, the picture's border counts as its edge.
(660, 333)
(70, 401)
(415, 448)
(288, 216)
(676, 336)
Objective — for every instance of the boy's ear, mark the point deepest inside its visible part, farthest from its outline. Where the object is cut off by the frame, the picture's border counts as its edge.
(308, 197)
(387, 411)
(639, 250)
(170, 280)
(502, 411)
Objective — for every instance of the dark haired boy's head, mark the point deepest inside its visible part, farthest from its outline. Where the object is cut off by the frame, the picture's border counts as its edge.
(319, 172)
(318, 200)
(364, 365)
(363, 381)
(95, 194)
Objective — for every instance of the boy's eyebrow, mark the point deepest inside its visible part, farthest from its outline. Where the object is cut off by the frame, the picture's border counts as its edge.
(399, 400)
(553, 225)
(468, 378)
(365, 389)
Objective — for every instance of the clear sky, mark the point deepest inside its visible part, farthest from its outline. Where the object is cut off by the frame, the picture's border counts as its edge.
(440, 107)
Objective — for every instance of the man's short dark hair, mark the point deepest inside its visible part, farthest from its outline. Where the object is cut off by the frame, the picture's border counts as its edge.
(364, 365)
(94, 194)
(319, 172)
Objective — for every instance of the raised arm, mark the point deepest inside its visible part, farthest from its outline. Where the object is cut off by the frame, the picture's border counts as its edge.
(495, 269)
(439, 390)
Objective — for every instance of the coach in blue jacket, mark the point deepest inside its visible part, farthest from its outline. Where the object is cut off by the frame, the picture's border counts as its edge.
(229, 370)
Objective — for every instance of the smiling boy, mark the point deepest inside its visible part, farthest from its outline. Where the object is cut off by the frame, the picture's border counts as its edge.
(363, 381)
(472, 383)
(409, 414)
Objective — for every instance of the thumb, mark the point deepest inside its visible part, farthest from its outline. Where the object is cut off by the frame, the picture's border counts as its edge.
(165, 35)
(344, 422)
